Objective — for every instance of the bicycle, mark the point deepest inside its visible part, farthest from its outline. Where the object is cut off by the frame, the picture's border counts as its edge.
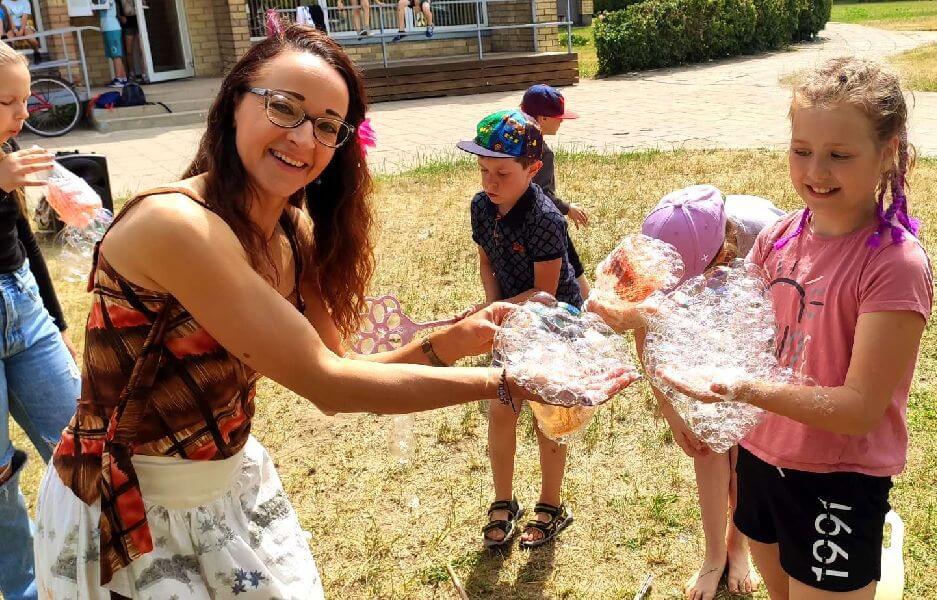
(54, 107)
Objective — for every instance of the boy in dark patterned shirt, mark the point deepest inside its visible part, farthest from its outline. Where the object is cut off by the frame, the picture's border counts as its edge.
(522, 249)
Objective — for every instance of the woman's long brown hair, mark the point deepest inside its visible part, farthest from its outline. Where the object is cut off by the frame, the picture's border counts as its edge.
(342, 260)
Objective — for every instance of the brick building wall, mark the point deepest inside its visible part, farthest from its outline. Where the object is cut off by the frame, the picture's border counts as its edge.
(231, 30)
(511, 13)
(524, 40)
(588, 8)
(548, 38)
(217, 32)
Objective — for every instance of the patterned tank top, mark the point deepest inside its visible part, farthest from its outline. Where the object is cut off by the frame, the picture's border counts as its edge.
(154, 383)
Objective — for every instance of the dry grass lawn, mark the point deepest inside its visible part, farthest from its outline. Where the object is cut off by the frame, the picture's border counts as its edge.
(631, 488)
(918, 68)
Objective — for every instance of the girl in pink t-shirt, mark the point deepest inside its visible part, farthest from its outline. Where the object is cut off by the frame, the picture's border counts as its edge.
(852, 291)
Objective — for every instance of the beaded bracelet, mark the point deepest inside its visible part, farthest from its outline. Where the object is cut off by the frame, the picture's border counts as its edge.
(504, 393)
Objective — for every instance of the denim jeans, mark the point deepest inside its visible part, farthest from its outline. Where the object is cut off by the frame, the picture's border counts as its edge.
(39, 386)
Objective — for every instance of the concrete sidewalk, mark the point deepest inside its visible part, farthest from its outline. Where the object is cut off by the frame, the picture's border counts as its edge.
(734, 103)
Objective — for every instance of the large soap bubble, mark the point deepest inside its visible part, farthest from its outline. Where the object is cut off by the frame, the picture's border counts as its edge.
(559, 354)
(718, 326)
(637, 267)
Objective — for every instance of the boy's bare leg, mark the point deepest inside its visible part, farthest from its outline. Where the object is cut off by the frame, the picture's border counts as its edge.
(128, 56)
(502, 445)
(712, 484)
(120, 72)
(552, 469)
(366, 13)
(427, 13)
(402, 14)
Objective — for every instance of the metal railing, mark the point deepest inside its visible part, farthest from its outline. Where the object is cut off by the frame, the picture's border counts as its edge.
(470, 16)
(66, 60)
(448, 15)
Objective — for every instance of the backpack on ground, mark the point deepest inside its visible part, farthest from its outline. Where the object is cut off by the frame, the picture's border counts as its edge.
(107, 100)
(132, 95)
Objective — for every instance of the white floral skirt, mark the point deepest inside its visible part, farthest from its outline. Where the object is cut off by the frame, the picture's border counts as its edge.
(221, 529)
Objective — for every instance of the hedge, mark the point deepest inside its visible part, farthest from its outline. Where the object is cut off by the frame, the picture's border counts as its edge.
(660, 33)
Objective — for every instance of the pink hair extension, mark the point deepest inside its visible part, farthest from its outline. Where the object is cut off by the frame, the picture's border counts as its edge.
(273, 22)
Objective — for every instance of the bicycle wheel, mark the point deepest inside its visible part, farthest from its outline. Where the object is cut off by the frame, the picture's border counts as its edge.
(54, 107)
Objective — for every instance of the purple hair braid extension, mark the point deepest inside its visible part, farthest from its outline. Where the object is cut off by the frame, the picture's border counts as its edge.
(911, 224)
(897, 199)
(800, 229)
(876, 238)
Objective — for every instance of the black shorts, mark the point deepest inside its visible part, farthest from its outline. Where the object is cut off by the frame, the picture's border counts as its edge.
(828, 526)
(574, 260)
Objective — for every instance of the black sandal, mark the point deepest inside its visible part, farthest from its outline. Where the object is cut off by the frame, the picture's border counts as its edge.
(560, 519)
(509, 527)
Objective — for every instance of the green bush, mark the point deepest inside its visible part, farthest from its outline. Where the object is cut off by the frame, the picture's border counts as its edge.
(813, 17)
(579, 41)
(600, 6)
(659, 33)
(776, 23)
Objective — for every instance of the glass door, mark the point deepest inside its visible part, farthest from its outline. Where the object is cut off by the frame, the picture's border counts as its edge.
(164, 39)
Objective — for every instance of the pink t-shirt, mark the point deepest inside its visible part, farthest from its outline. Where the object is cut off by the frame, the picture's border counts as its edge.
(820, 285)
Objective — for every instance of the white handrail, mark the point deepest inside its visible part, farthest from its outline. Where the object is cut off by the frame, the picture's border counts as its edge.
(66, 61)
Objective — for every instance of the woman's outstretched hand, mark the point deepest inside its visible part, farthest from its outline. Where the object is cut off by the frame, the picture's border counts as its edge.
(606, 385)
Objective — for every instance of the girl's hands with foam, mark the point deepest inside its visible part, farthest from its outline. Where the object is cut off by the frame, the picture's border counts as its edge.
(699, 387)
(620, 315)
(16, 168)
(683, 436)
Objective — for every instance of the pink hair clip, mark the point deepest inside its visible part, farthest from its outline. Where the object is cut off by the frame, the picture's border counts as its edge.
(367, 138)
(273, 22)
(386, 327)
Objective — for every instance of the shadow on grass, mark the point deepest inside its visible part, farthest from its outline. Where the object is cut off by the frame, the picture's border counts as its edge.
(533, 576)
(483, 580)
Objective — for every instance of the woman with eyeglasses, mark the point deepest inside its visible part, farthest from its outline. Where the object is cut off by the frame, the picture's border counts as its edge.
(255, 264)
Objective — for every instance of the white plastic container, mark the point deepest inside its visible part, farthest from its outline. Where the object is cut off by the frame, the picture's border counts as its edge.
(891, 585)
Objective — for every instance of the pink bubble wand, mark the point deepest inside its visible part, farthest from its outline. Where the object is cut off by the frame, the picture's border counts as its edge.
(386, 327)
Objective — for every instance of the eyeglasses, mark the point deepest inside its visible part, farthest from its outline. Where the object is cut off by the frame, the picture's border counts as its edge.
(285, 112)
